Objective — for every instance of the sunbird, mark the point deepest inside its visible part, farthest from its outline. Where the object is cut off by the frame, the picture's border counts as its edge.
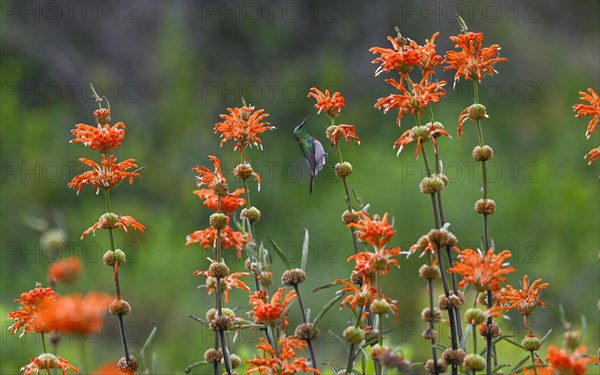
(312, 149)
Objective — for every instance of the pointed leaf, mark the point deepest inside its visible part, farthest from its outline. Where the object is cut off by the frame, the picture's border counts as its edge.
(500, 367)
(543, 339)
(304, 251)
(326, 286)
(280, 253)
(518, 365)
(465, 337)
(189, 367)
(326, 308)
(148, 341)
(340, 340)
(583, 328)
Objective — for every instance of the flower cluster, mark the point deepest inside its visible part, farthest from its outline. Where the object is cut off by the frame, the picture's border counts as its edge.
(592, 109)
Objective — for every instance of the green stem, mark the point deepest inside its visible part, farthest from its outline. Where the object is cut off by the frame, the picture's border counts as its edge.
(44, 342)
(533, 361)
(313, 358)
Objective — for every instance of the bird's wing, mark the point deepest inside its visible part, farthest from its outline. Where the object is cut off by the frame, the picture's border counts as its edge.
(316, 158)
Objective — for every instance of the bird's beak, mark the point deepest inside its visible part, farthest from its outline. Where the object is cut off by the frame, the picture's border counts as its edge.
(303, 121)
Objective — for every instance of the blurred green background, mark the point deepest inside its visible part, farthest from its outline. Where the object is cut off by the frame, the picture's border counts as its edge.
(170, 68)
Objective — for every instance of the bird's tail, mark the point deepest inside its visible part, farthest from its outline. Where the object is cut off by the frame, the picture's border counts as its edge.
(312, 183)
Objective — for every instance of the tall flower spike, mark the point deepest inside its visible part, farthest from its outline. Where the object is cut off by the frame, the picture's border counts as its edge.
(593, 109)
(243, 125)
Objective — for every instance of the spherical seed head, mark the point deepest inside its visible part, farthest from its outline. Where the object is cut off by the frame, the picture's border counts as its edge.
(474, 316)
(128, 366)
(306, 331)
(485, 206)
(441, 236)
(431, 185)
(354, 335)
(293, 277)
(210, 314)
(252, 214)
(429, 334)
(329, 131)
(441, 365)
(443, 302)
(437, 125)
(426, 314)
(484, 153)
(380, 306)
(108, 220)
(236, 361)
(211, 283)
(349, 217)
(477, 112)
(452, 241)
(343, 169)
(119, 307)
(218, 220)
(474, 362)
(442, 177)
(218, 270)
(572, 339)
(213, 355)
(531, 343)
(421, 132)
(243, 171)
(454, 301)
(220, 322)
(429, 272)
(493, 329)
(112, 257)
(221, 189)
(453, 356)
(102, 116)
(228, 313)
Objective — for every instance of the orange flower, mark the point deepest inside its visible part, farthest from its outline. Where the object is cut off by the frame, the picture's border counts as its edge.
(403, 57)
(105, 222)
(429, 58)
(573, 364)
(592, 155)
(368, 262)
(101, 138)
(483, 272)
(65, 270)
(376, 232)
(207, 177)
(106, 176)
(413, 101)
(109, 368)
(589, 110)
(331, 105)
(32, 304)
(472, 61)
(360, 297)
(271, 312)
(538, 370)
(282, 363)
(419, 134)
(229, 203)
(524, 300)
(228, 282)
(76, 314)
(243, 125)
(348, 131)
(229, 238)
(47, 361)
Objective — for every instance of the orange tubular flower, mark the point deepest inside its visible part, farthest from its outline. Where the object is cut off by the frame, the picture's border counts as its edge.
(402, 57)
(380, 261)
(574, 364)
(472, 61)
(282, 363)
(47, 361)
(76, 314)
(523, 300)
(229, 238)
(414, 101)
(102, 138)
(538, 370)
(32, 304)
(348, 131)
(229, 203)
(106, 176)
(429, 58)
(360, 297)
(419, 134)
(482, 271)
(593, 109)
(109, 368)
(376, 232)
(228, 282)
(243, 125)
(332, 105)
(122, 222)
(64, 271)
(270, 312)
(592, 155)
(207, 177)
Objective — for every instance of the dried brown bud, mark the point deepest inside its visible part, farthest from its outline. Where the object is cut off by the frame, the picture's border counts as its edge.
(213, 355)
(431, 185)
(485, 206)
(493, 329)
(453, 356)
(306, 331)
(221, 189)
(429, 272)
(220, 270)
(220, 322)
(484, 153)
(343, 169)
(441, 365)
(128, 366)
(349, 217)
(426, 314)
(243, 171)
(293, 277)
(119, 307)
(429, 334)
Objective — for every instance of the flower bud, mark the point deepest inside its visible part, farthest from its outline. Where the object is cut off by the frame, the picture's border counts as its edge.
(221, 189)
(119, 307)
(112, 257)
(252, 214)
(380, 306)
(474, 316)
(218, 220)
(354, 335)
(484, 153)
(343, 169)
(220, 270)
(210, 314)
(108, 220)
(531, 343)
(441, 236)
(485, 206)
(293, 277)
(102, 116)
(477, 112)
(243, 171)
(441, 365)
(474, 362)
(236, 361)
(572, 339)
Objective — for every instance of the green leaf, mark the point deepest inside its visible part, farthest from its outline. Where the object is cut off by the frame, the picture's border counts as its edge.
(439, 346)
(583, 328)
(199, 320)
(462, 24)
(341, 340)
(304, 251)
(546, 336)
(280, 253)
(148, 342)
(326, 286)
(189, 367)
(518, 365)
(326, 308)
(500, 367)
(465, 336)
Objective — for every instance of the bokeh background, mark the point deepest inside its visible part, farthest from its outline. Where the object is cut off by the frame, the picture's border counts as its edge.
(169, 68)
